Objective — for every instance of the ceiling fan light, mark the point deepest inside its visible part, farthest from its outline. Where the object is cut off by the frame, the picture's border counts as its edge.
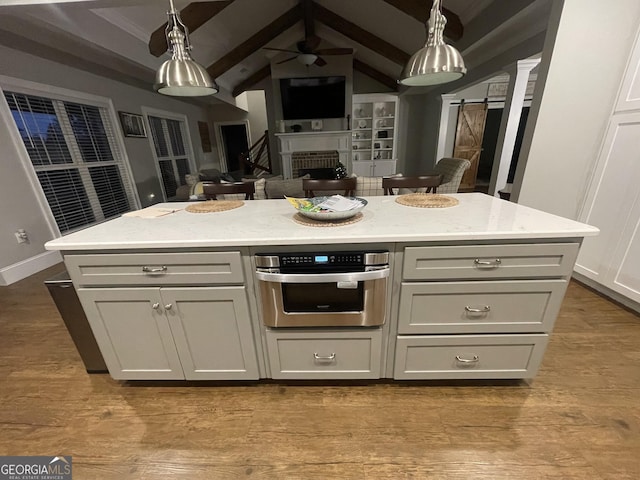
(181, 76)
(307, 58)
(436, 62)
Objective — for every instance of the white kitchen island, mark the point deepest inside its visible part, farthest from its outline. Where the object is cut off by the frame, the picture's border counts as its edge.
(474, 291)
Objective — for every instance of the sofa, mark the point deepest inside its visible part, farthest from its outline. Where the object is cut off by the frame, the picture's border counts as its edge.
(452, 170)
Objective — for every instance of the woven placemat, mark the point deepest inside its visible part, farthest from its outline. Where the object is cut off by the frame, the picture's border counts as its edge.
(214, 206)
(427, 200)
(310, 222)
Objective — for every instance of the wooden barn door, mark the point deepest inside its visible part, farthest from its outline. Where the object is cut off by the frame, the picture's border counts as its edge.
(468, 142)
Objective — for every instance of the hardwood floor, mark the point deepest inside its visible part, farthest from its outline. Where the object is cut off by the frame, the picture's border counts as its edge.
(578, 419)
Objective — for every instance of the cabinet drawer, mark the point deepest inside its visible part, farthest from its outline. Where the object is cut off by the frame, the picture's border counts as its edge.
(478, 307)
(468, 356)
(308, 353)
(489, 261)
(155, 268)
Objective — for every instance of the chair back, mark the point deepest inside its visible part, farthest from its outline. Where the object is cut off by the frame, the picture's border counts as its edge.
(347, 185)
(428, 182)
(211, 190)
(452, 170)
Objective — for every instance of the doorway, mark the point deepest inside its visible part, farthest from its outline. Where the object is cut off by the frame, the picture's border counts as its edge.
(489, 145)
(233, 141)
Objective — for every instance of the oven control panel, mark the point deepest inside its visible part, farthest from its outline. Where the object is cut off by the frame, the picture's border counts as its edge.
(320, 259)
(349, 258)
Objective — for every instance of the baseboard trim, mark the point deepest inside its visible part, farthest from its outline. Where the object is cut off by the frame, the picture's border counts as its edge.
(18, 271)
(607, 292)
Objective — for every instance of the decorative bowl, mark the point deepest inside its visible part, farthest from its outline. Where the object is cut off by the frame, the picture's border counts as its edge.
(329, 214)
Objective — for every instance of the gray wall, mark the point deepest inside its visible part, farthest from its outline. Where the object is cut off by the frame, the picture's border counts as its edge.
(18, 205)
(581, 75)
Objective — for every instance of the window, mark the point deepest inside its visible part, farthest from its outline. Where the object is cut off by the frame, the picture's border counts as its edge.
(72, 150)
(169, 140)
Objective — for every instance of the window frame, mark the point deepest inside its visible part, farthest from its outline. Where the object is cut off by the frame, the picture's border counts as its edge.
(27, 87)
(188, 145)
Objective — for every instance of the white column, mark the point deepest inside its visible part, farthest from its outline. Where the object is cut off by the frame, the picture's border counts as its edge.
(518, 78)
(444, 122)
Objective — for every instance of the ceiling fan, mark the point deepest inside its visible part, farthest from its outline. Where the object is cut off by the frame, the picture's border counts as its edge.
(308, 53)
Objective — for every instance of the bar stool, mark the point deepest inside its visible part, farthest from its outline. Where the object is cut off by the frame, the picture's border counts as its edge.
(311, 185)
(429, 182)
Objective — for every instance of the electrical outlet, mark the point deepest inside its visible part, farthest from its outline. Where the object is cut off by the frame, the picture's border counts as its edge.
(21, 236)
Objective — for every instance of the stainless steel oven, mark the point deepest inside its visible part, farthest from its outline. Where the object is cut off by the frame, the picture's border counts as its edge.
(323, 289)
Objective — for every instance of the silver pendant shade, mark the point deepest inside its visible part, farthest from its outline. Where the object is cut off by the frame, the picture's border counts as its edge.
(181, 76)
(436, 62)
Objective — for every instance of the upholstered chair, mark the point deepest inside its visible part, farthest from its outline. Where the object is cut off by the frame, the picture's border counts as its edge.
(452, 170)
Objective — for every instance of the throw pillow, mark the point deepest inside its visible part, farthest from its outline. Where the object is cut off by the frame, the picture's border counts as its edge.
(210, 175)
(279, 188)
(370, 186)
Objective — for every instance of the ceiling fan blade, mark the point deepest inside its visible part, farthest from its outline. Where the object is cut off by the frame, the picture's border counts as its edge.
(320, 62)
(334, 51)
(287, 60)
(279, 50)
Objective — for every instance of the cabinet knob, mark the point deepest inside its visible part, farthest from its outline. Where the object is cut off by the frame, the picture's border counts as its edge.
(168, 306)
(156, 306)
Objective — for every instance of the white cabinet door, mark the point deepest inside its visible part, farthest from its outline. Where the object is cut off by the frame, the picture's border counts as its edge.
(609, 204)
(383, 168)
(212, 331)
(624, 277)
(132, 332)
(362, 168)
(629, 97)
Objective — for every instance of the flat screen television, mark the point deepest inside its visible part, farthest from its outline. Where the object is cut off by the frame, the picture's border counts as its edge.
(313, 97)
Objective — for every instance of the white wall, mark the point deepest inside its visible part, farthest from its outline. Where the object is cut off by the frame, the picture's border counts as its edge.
(581, 69)
(257, 114)
(18, 205)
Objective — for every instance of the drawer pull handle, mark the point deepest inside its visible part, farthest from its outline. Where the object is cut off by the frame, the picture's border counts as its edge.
(161, 269)
(156, 306)
(490, 264)
(168, 306)
(475, 359)
(484, 309)
(324, 358)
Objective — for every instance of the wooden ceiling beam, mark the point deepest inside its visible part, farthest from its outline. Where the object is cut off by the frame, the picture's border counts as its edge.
(375, 74)
(250, 81)
(193, 16)
(360, 35)
(256, 41)
(307, 17)
(421, 9)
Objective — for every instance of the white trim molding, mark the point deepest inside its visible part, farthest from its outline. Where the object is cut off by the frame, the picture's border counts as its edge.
(25, 268)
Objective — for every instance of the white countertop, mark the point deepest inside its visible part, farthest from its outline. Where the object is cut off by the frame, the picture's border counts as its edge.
(269, 222)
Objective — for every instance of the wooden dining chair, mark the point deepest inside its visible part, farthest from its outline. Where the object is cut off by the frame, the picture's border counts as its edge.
(311, 185)
(211, 190)
(428, 182)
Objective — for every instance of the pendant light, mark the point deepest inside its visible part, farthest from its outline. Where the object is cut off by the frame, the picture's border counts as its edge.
(181, 76)
(436, 62)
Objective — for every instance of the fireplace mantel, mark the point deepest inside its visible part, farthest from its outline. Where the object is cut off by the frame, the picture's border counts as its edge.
(289, 143)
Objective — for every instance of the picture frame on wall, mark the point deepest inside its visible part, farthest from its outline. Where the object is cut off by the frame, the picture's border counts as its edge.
(132, 125)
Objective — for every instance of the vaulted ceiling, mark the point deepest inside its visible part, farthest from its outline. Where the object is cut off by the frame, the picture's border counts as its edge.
(235, 39)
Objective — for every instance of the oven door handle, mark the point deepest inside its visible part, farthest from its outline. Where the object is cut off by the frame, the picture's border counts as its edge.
(322, 277)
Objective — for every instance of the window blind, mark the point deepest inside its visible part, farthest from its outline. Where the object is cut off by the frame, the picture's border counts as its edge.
(171, 152)
(73, 151)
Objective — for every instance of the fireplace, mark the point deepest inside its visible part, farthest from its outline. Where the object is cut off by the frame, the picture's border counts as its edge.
(306, 150)
(302, 161)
